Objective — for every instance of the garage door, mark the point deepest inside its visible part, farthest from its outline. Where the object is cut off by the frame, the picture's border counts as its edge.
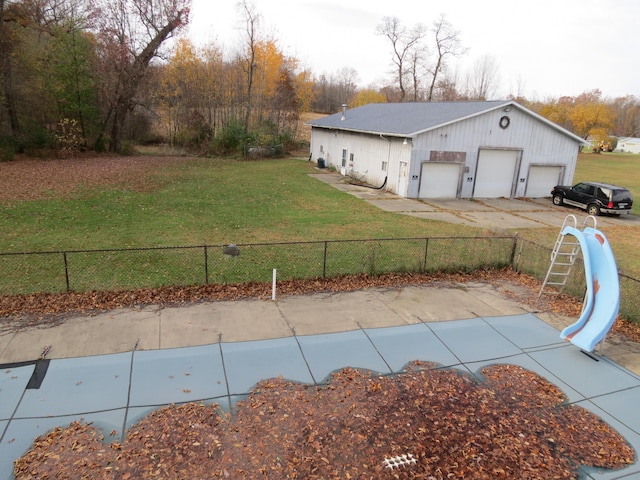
(439, 180)
(542, 178)
(495, 173)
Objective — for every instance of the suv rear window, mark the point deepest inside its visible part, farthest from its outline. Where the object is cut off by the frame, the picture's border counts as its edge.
(621, 196)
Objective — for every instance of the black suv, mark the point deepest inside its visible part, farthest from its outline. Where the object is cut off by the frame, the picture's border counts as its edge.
(594, 197)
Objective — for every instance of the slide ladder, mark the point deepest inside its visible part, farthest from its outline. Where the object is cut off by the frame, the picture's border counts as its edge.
(602, 296)
(563, 257)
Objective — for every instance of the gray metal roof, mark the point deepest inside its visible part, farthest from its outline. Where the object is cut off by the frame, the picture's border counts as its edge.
(409, 119)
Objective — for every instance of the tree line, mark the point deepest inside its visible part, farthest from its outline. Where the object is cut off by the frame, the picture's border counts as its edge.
(105, 74)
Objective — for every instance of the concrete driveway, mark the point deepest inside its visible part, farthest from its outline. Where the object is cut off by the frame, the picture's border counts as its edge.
(493, 213)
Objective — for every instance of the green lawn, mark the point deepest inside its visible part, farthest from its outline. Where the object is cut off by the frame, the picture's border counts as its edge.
(618, 169)
(205, 201)
(194, 201)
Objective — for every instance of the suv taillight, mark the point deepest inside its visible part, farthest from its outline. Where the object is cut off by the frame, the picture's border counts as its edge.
(610, 205)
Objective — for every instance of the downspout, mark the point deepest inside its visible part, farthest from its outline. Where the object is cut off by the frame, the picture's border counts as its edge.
(388, 160)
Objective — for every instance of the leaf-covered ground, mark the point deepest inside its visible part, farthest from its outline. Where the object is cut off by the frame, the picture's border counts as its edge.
(423, 423)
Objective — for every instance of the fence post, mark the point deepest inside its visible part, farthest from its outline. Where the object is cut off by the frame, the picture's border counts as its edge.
(513, 252)
(426, 252)
(324, 261)
(206, 266)
(66, 270)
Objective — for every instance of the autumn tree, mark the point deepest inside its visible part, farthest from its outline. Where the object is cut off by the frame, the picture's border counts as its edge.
(590, 116)
(46, 57)
(71, 67)
(131, 34)
(627, 112)
(8, 17)
(365, 96)
(304, 90)
(182, 95)
(556, 110)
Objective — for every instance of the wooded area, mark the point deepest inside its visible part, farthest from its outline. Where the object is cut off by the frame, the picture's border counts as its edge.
(106, 74)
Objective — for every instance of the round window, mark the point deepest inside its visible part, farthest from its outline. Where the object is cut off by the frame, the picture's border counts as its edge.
(504, 122)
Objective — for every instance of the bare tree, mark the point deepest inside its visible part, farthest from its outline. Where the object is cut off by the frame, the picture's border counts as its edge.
(132, 33)
(251, 25)
(483, 79)
(347, 83)
(448, 87)
(447, 44)
(417, 71)
(403, 42)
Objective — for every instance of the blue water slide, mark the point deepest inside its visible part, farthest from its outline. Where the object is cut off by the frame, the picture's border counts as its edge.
(602, 300)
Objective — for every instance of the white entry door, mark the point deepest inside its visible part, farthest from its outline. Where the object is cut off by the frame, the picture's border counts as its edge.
(495, 174)
(402, 180)
(439, 180)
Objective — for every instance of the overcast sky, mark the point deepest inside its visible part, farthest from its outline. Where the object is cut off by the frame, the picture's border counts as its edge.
(546, 48)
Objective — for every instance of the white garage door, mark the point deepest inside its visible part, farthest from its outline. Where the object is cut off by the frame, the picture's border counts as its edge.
(495, 173)
(439, 180)
(542, 178)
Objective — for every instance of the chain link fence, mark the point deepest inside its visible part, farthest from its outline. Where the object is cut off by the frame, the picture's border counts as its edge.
(127, 269)
(123, 269)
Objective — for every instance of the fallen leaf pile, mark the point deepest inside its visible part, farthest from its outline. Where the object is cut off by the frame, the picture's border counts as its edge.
(423, 423)
(36, 179)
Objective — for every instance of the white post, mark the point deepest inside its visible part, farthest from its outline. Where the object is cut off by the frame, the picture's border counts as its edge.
(273, 286)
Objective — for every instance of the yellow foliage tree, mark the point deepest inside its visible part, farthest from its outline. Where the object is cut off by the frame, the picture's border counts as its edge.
(305, 94)
(591, 119)
(366, 96)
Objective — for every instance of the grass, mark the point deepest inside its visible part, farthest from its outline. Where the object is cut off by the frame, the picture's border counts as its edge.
(618, 169)
(205, 201)
(194, 202)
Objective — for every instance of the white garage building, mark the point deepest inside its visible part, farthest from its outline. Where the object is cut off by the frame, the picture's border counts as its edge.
(449, 149)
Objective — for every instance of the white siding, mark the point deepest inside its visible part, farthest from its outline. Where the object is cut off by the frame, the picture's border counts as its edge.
(628, 144)
(370, 154)
(539, 144)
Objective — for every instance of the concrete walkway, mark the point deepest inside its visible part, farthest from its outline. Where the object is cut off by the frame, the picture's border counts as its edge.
(114, 368)
(491, 213)
(153, 328)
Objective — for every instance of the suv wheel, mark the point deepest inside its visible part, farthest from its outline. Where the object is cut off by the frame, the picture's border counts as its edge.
(557, 199)
(593, 209)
